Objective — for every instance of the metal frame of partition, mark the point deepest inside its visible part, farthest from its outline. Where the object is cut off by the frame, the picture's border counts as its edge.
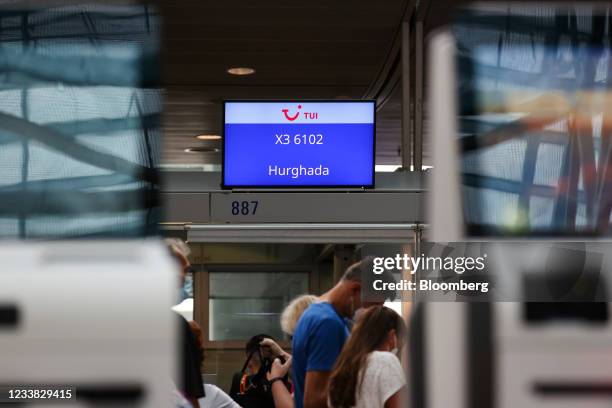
(405, 63)
(302, 233)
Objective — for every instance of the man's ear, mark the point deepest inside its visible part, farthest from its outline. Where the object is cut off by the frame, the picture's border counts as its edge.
(355, 287)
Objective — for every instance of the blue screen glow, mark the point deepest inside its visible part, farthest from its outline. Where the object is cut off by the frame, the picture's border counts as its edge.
(299, 144)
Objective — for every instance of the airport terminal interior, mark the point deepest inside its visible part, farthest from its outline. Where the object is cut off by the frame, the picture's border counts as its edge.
(428, 177)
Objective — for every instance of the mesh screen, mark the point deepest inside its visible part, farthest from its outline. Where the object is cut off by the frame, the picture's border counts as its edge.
(79, 122)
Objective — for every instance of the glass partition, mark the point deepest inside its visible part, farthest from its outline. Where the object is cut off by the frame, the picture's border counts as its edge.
(79, 121)
(242, 304)
(535, 119)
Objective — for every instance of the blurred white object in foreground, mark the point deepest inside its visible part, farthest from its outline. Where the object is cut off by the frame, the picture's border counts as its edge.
(91, 315)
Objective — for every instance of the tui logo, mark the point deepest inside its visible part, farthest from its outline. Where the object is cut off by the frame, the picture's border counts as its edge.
(305, 115)
(294, 117)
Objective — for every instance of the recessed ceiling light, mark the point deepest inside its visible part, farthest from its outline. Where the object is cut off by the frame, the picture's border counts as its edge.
(202, 150)
(241, 71)
(208, 137)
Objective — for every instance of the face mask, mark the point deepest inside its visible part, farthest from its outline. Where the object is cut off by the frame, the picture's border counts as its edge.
(188, 285)
(181, 295)
(185, 291)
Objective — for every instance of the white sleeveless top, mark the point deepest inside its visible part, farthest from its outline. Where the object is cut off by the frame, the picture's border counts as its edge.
(383, 376)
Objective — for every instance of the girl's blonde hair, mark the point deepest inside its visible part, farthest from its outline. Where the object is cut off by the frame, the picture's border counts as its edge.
(294, 310)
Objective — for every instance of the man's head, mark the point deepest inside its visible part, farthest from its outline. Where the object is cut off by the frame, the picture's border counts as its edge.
(356, 286)
(351, 283)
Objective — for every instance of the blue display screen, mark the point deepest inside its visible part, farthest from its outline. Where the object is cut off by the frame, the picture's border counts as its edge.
(299, 144)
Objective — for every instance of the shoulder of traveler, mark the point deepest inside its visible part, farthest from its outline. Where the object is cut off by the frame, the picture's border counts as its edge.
(384, 357)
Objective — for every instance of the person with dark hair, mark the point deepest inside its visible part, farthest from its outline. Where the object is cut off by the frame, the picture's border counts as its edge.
(368, 373)
(322, 331)
(190, 378)
(215, 396)
(251, 387)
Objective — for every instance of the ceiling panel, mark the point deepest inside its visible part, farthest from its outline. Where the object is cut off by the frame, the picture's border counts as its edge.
(301, 50)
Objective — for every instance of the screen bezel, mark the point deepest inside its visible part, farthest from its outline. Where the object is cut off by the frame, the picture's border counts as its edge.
(302, 186)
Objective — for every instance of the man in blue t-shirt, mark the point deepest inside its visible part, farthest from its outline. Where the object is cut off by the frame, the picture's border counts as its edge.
(322, 331)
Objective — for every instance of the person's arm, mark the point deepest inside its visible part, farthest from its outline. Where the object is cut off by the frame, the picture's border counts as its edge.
(326, 344)
(282, 396)
(315, 389)
(280, 393)
(274, 349)
(395, 401)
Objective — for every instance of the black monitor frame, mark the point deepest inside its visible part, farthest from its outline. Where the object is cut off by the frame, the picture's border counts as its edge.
(304, 186)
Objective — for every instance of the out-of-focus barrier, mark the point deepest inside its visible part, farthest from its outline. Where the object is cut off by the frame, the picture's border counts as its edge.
(80, 119)
(510, 354)
(520, 115)
(93, 316)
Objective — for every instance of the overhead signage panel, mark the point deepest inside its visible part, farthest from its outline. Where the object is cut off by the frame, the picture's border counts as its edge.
(299, 144)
